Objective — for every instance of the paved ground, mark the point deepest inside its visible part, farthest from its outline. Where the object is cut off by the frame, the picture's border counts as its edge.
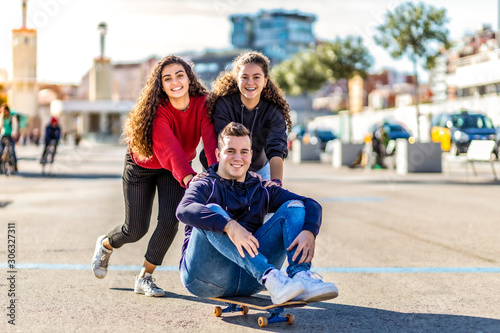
(418, 253)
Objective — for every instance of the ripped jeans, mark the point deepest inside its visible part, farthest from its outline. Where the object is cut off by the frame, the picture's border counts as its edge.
(213, 267)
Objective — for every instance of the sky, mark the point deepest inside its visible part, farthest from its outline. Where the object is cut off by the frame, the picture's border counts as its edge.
(68, 39)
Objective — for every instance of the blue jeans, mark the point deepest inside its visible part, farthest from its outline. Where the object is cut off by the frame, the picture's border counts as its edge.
(213, 267)
(265, 172)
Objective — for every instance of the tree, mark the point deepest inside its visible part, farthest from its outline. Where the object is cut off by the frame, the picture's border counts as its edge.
(3, 95)
(343, 59)
(300, 75)
(416, 31)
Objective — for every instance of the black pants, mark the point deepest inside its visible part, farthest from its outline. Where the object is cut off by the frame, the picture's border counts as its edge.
(139, 187)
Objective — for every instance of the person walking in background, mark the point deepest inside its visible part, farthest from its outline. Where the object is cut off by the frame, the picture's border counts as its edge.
(8, 131)
(162, 132)
(247, 95)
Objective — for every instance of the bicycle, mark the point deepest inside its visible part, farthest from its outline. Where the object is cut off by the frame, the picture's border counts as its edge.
(48, 154)
(7, 164)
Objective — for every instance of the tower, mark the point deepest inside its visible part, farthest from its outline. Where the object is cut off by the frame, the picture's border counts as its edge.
(100, 73)
(24, 90)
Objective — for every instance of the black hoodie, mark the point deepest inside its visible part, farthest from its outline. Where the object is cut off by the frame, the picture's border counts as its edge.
(265, 122)
(246, 202)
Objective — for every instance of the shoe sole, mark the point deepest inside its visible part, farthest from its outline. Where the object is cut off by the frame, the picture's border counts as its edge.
(149, 295)
(320, 297)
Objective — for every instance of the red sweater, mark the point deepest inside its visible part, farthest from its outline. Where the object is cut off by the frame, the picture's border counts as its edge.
(176, 134)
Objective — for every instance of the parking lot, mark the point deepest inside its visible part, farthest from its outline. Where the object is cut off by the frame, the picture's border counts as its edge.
(413, 253)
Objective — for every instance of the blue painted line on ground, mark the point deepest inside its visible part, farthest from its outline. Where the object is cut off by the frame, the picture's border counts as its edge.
(352, 199)
(407, 269)
(375, 270)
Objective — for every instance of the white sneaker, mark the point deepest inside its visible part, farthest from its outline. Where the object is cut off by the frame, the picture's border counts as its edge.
(147, 286)
(281, 287)
(316, 289)
(101, 259)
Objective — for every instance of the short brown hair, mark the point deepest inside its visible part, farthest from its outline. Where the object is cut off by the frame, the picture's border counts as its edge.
(5, 106)
(233, 129)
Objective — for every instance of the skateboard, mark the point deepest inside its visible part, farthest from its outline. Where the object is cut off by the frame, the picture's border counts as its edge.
(260, 302)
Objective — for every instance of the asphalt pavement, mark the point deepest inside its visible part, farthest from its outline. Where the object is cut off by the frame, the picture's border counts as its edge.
(413, 253)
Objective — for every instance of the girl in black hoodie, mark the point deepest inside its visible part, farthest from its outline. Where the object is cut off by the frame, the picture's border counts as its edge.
(247, 95)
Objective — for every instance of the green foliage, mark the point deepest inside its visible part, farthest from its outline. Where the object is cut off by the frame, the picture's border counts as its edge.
(344, 58)
(416, 31)
(308, 70)
(301, 74)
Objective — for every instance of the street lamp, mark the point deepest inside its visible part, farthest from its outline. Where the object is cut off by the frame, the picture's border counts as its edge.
(103, 29)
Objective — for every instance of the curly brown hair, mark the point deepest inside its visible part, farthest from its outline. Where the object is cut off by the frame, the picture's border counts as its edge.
(138, 127)
(227, 84)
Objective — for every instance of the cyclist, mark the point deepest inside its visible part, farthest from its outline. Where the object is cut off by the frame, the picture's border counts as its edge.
(8, 130)
(52, 135)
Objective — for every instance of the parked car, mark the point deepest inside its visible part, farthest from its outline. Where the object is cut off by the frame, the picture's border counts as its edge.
(393, 131)
(455, 131)
(323, 136)
(314, 136)
(296, 133)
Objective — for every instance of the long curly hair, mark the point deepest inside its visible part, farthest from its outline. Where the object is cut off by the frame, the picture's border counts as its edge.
(227, 84)
(138, 127)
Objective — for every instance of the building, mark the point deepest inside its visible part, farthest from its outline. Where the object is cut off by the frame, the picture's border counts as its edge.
(23, 93)
(468, 68)
(210, 63)
(105, 97)
(278, 34)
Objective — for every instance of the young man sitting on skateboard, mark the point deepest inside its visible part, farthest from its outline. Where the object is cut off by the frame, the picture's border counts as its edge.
(229, 250)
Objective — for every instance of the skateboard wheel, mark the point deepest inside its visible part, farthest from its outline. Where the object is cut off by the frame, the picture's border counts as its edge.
(262, 321)
(244, 310)
(217, 311)
(290, 319)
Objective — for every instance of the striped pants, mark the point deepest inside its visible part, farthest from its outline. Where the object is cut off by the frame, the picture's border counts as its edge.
(139, 187)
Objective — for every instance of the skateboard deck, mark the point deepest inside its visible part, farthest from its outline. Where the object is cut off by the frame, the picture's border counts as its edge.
(259, 302)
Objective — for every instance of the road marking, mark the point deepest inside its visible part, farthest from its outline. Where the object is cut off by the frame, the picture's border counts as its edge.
(407, 269)
(374, 270)
(352, 199)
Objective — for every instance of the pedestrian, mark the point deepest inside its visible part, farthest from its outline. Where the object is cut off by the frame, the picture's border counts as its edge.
(52, 136)
(229, 250)
(247, 95)
(379, 144)
(9, 130)
(162, 131)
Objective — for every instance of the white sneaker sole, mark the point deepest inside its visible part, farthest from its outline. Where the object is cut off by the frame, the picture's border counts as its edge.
(157, 294)
(317, 295)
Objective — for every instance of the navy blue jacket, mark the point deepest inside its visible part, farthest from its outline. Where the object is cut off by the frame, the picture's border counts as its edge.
(52, 133)
(266, 123)
(246, 202)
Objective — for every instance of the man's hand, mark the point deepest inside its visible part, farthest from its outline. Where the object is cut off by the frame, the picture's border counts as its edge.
(305, 242)
(242, 238)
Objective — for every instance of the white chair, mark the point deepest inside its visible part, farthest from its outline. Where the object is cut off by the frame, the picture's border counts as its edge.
(480, 151)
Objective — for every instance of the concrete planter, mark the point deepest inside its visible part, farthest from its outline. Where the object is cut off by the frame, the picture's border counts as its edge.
(305, 152)
(418, 157)
(345, 153)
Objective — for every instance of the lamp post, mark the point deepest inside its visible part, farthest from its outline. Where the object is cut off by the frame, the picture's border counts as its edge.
(103, 29)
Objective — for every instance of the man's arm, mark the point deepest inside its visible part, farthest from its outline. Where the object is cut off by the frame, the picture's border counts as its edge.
(192, 209)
